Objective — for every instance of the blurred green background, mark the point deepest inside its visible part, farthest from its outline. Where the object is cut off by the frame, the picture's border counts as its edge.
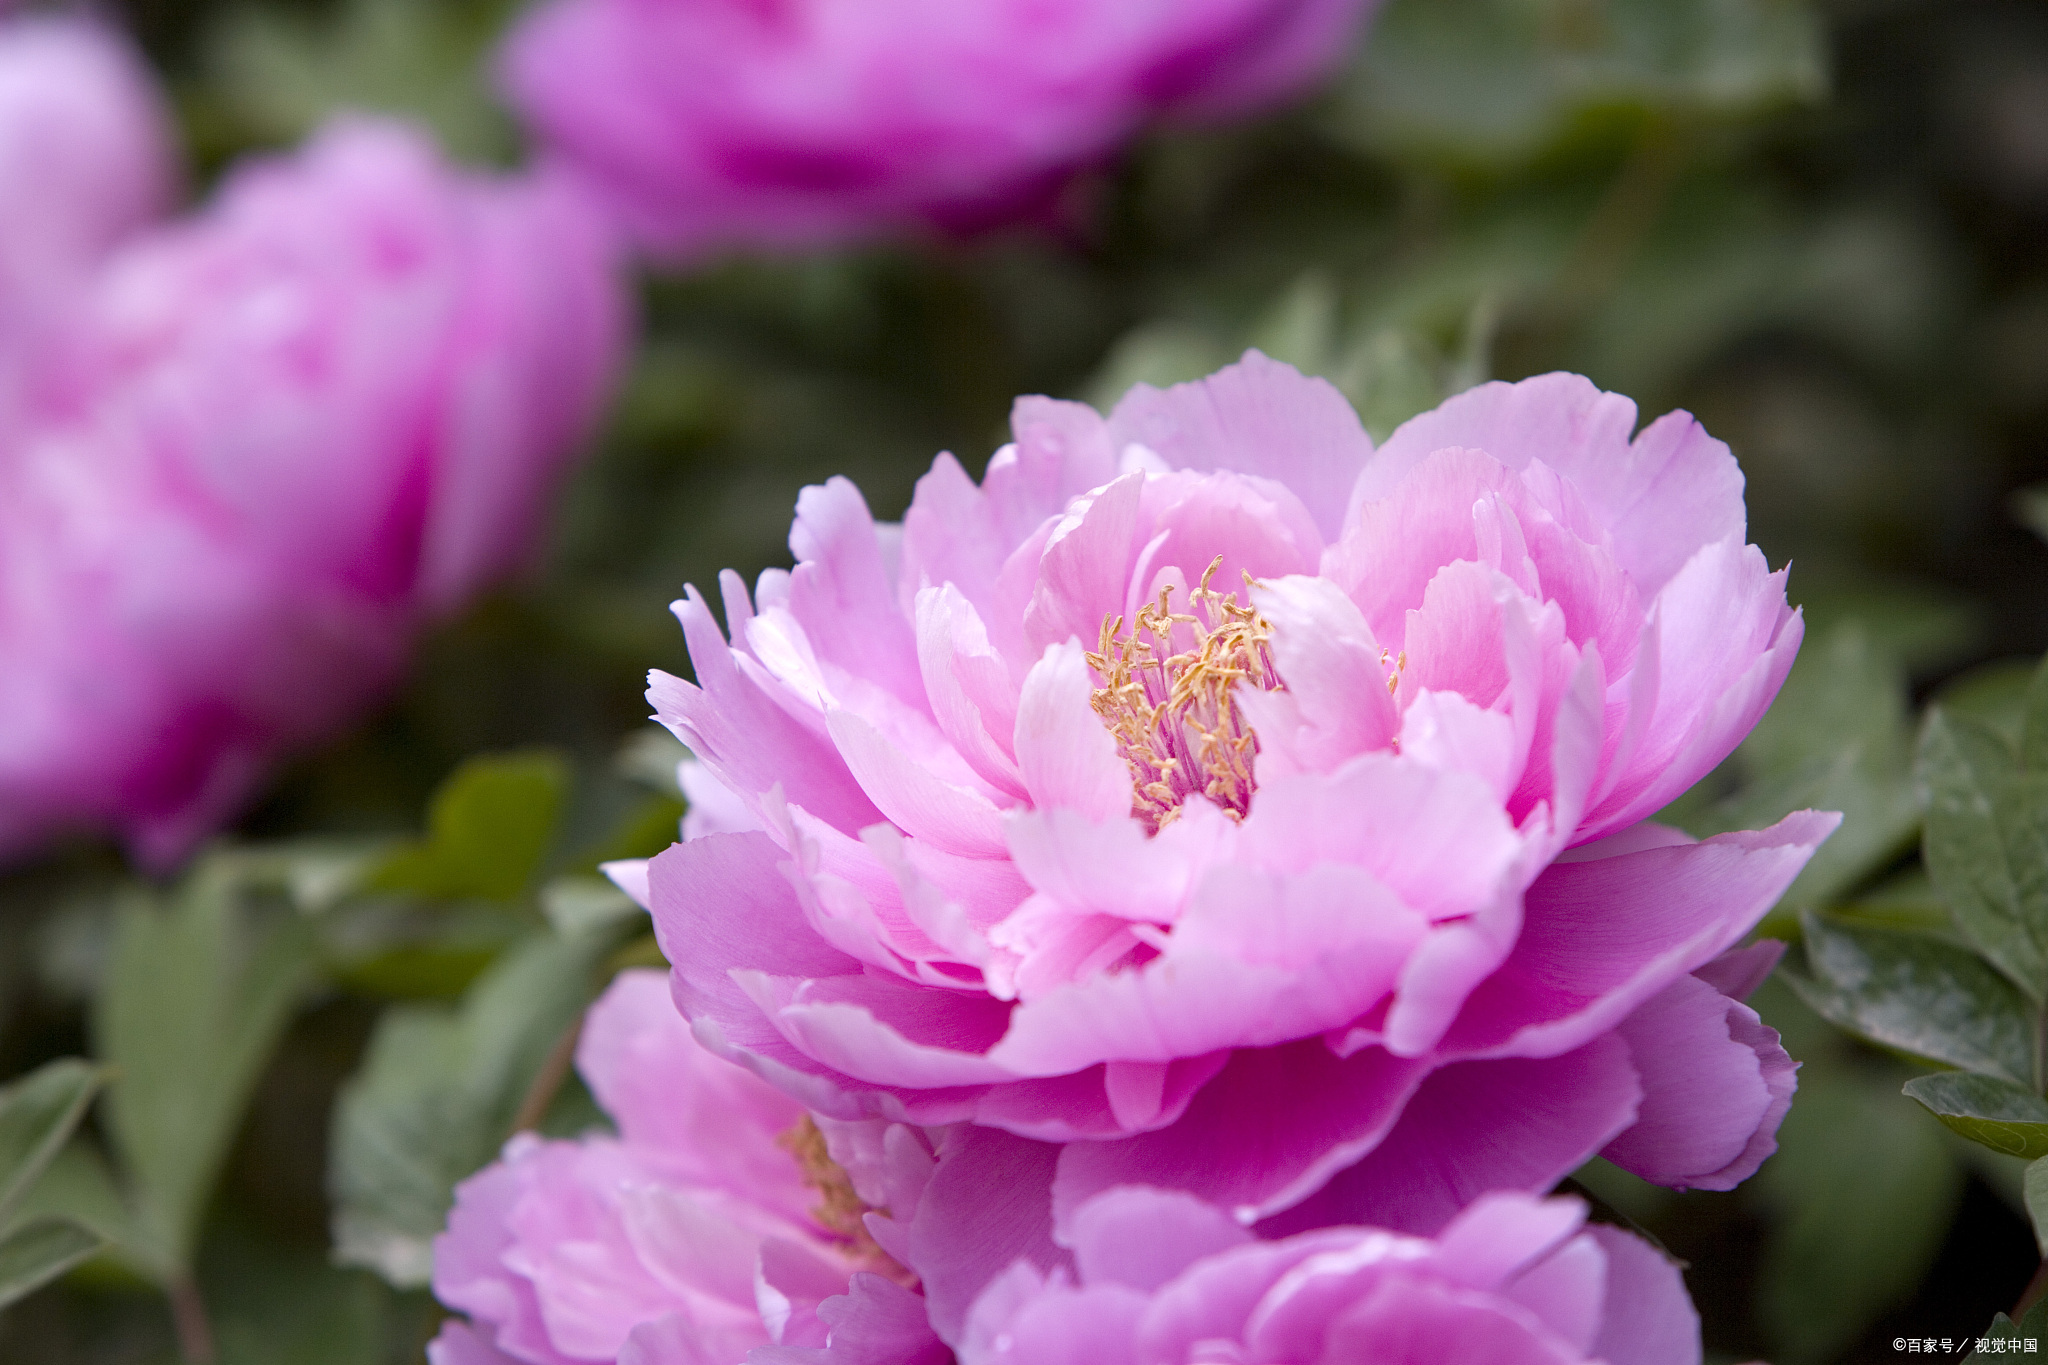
(1822, 227)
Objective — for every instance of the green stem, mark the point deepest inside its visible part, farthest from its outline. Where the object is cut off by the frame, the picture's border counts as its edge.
(547, 1082)
(188, 1316)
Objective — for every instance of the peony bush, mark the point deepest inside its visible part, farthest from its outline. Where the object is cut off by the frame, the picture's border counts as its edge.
(1212, 802)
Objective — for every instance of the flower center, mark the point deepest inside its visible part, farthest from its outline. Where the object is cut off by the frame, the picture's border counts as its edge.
(1176, 725)
(840, 1210)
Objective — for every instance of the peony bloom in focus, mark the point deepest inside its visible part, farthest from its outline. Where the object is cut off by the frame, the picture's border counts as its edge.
(721, 1219)
(1160, 1278)
(276, 438)
(1239, 805)
(712, 123)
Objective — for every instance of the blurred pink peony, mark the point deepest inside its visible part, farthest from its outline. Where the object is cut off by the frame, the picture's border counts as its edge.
(1023, 814)
(713, 123)
(1160, 1278)
(85, 159)
(718, 1221)
(275, 439)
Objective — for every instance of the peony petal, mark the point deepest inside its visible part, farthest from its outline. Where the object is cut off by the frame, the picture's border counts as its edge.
(1067, 756)
(1716, 1083)
(1267, 1131)
(751, 743)
(1326, 654)
(952, 642)
(1650, 1318)
(1406, 1322)
(1260, 417)
(956, 819)
(1476, 1127)
(1258, 960)
(989, 1204)
(843, 593)
(1437, 839)
(458, 1343)
(1142, 1237)
(1664, 495)
(1081, 577)
(667, 1093)
(1600, 937)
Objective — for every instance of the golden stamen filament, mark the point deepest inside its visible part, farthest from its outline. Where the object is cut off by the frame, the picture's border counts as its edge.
(1176, 725)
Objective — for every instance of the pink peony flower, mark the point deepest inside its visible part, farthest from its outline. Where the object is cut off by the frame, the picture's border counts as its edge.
(719, 1220)
(278, 437)
(85, 159)
(1160, 1278)
(1238, 804)
(798, 122)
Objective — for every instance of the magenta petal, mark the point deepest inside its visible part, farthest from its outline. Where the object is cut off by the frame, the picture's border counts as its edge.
(952, 649)
(1601, 936)
(956, 819)
(667, 1092)
(752, 743)
(1067, 756)
(1081, 576)
(1258, 416)
(1650, 1318)
(876, 1322)
(1407, 1322)
(989, 1203)
(843, 591)
(1475, 1127)
(1716, 1083)
(1663, 495)
(1142, 1237)
(458, 1343)
(1739, 971)
(884, 1031)
(1268, 1130)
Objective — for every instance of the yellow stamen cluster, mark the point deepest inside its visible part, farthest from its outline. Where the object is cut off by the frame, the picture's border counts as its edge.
(1176, 726)
(840, 1209)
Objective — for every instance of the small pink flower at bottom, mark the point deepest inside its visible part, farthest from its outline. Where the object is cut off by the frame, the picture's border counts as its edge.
(1160, 1278)
(721, 1219)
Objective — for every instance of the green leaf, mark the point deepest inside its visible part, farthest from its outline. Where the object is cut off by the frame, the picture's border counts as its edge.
(79, 1188)
(194, 1000)
(2004, 1117)
(36, 1253)
(1987, 844)
(489, 830)
(2034, 1324)
(2036, 1190)
(1863, 1189)
(2030, 507)
(438, 1094)
(2034, 723)
(37, 1115)
(282, 76)
(1497, 81)
(1917, 994)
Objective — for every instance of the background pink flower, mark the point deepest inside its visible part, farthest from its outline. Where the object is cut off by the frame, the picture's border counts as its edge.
(713, 1224)
(85, 159)
(806, 121)
(276, 438)
(1233, 896)
(1161, 1278)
